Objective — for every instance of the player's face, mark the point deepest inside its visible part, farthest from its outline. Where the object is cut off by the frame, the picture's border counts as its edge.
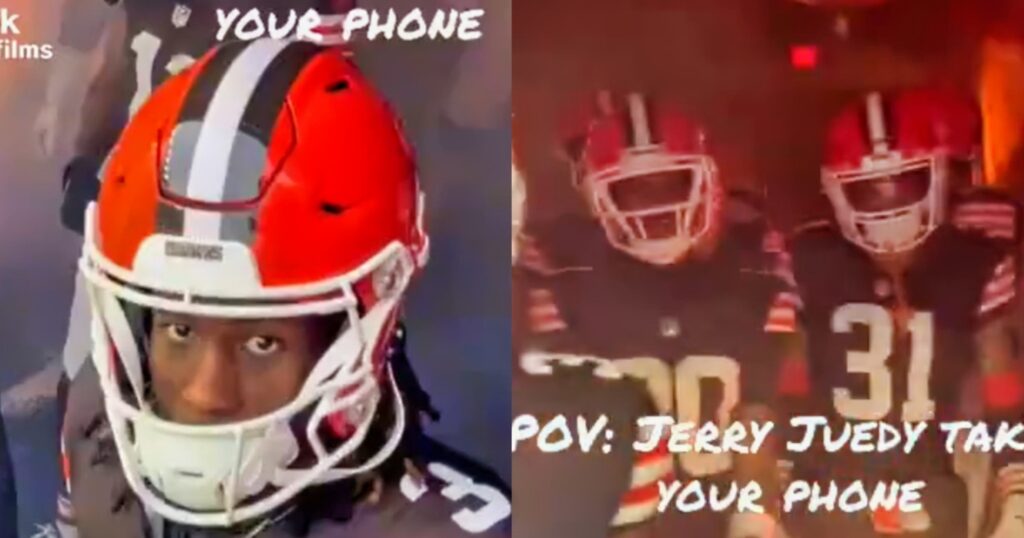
(211, 371)
(651, 191)
(890, 192)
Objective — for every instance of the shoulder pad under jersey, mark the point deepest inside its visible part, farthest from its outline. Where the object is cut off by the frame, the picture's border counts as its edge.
(987, 211)
(561, 245)
(102, 503)
(438, 502)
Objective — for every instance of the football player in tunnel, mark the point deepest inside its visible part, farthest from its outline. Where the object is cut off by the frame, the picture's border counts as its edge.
(247, 259)
(664, 298)
(901, 303)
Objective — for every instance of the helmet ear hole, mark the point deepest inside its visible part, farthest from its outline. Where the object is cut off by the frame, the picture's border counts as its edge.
(331, 209)
(338, 86)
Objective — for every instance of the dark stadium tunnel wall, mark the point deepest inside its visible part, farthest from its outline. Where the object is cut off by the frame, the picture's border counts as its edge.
(728, 64)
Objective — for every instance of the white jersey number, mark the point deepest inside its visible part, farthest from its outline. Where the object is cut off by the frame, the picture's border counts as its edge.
(146, 46)
(689, 374)
(872, 363)
(458, 486)
(660, 378)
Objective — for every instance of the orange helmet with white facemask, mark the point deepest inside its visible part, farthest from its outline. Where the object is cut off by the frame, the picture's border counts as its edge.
(645, 171)
(270, 180)
(890, 161)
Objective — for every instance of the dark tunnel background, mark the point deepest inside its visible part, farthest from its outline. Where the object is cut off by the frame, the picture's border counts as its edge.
(728, 64)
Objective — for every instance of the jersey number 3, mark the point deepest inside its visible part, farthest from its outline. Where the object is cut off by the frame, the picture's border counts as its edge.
(494, 510)
(873, 363)
(146, 46)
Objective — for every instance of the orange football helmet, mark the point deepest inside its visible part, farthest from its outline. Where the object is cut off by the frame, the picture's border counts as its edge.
(889, 162)
(269, 180)
(647, 174)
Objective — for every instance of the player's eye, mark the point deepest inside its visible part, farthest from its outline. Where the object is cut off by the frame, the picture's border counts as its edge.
(178, 332)
(262, 346)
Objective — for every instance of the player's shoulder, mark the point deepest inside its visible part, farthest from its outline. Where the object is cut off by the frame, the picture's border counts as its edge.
(956, 246)
(815, 235)
(100, 502)
(819, 251)
(562, 244)
(990, 212)
(438, 501)
(752, 241)
(85, 425)
(84, 406)
(556, 383)
(744, 219)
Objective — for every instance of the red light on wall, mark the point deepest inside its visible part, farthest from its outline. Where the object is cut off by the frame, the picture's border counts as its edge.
(803, 56)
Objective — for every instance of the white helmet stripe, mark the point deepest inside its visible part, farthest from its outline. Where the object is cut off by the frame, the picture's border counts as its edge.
(209, 171)
(876, 123)
(638, 120)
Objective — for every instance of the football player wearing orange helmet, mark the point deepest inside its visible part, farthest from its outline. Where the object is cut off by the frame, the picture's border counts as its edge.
(905, 294)
(258, 225)
(667, 302)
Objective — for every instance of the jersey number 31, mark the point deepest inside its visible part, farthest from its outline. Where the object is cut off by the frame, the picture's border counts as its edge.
(873, 363)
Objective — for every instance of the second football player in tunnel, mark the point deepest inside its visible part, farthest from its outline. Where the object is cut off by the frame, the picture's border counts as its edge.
(926, 294)
(665, 285)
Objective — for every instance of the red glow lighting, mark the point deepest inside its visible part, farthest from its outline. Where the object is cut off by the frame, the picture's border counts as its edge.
(803, 56)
